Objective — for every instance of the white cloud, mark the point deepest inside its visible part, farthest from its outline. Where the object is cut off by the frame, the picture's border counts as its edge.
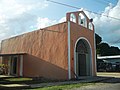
(44, 22)
(12, 8)
(16, 16)
(107, 27)
(62, 20)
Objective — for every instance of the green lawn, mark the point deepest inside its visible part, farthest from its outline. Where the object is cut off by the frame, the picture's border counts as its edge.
(64, 87)
(19, 79)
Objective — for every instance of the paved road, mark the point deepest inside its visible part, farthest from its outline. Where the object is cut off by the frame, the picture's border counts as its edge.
(111, 84)
(109, 74)
(101, 86)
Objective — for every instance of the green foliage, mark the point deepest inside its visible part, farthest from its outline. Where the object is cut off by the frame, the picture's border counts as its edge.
(3, 65)
(98, 39)
(104, 49)
(3, 69)
(19, 79)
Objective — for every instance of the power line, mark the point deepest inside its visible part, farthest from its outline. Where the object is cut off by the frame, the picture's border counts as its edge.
(102, 2)
(108, 1)
(85, 10)
(105, 2)
(63, 4)
(80, 8)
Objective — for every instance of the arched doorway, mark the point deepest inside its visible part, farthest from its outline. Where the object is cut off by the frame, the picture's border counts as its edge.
(83, 58)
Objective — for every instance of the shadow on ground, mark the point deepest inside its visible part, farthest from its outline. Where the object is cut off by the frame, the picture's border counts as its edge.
(99, 79)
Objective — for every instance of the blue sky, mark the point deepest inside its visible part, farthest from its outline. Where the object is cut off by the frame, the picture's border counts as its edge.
(21, 16)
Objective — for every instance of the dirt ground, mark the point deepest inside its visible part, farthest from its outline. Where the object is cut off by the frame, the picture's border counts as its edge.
(109, 84)
(109, 74)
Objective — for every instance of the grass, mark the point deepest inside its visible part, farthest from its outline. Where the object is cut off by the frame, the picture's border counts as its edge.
(64, 87)
(19, 79)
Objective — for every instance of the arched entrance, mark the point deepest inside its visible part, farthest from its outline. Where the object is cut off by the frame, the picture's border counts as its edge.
(83, 57)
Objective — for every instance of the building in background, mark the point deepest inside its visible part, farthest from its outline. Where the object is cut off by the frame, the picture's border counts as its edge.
(62, 51)
(108, 63)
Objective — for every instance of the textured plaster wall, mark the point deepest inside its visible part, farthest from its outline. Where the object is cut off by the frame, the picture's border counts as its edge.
(78, 31)
(46, 51)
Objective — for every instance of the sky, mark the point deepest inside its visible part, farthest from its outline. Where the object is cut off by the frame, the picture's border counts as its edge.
(21, 16)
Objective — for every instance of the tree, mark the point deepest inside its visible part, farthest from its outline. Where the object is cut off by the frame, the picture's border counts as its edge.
(104, 49)
(98, 39)
(114, 50)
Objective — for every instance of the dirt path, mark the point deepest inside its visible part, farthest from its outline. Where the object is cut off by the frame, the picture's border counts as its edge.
(101, 86)
(110, 84)
(109, 74)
